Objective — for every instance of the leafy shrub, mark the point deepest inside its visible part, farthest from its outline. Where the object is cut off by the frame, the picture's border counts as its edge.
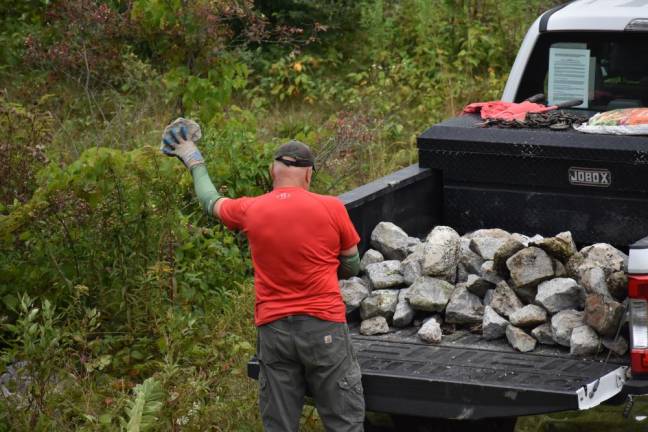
(22, 145)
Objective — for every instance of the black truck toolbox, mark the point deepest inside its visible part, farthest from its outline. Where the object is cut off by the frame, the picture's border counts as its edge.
(539, 181)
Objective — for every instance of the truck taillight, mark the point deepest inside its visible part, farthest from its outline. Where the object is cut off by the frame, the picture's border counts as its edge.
(638, 297)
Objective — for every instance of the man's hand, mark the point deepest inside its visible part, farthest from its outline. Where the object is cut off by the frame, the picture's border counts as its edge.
(179, 138)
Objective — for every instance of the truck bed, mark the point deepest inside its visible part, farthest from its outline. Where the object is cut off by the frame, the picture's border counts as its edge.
(473, 378)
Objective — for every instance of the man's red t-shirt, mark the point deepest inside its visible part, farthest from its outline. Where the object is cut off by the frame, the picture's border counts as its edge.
(295, 238)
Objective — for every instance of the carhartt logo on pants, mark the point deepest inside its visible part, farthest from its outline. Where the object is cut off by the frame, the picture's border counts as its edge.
(328, 339)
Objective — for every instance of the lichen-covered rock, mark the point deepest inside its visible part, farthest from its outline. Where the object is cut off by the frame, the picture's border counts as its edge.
(441, 253)
(390, 240)
(617, 284)
(404, 313)
(605, 256)
(353, 291)
(372, 256)
(477, 285)
(528, 316)
(430, 332)
(519, 339)
(385, 274)
(493, 325)
(430, 294)
(485, 242)
(462, 274)
(470, 260)
(504, 300)
(506, 250)
(560, 293)
(530, 266)
(573, 264)
(464, 307)
(542, 333)
(561, 246)
(489, 273)
(374, 326)
(594, 280)
(603, 314)
(379, 303)
(584, 341)
(618, 346)
(563, 323)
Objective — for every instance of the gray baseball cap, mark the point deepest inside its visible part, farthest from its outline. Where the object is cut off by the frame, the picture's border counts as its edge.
(297, 150)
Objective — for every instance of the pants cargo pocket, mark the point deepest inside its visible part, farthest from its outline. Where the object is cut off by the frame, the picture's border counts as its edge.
(352, 395)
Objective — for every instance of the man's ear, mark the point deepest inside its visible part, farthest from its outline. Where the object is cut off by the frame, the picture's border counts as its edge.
(271, 170)
(309, 175)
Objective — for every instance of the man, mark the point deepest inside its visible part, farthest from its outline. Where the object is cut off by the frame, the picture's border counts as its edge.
(300, 241)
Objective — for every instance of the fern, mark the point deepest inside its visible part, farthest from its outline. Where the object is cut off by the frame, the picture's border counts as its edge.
(142, 410)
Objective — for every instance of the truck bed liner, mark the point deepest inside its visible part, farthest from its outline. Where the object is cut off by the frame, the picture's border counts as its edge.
(399, 372)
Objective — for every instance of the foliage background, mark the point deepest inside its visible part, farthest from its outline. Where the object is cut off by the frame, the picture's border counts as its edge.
(122, 307)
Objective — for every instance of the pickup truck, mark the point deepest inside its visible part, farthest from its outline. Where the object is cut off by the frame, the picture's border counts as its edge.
(528, 181)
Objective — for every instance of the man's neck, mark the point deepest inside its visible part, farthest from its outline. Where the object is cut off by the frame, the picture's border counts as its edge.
(288, 184)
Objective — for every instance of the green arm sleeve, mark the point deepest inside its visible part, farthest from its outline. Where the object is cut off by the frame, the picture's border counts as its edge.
(205, 190)
(349, 266)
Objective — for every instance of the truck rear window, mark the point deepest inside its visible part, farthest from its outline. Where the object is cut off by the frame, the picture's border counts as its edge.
(607, 70)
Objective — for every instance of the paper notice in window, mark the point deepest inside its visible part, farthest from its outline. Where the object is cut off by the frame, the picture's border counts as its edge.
(569, 75)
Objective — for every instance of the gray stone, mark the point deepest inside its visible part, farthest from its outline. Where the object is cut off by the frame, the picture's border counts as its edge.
(470, 260)
(542, 333)
(593, 279)
(519, 339)
(404, 313)
(390, 240)
(584, 341)
(617, 284)
(559, 269)
(441, 253)
(379, 303)
(618, 346)
(430, 332)
(374, 326)
(560, 293)
(353, 292)
(385, 274)
(464, 307)
(529, 316)
(367, 281)
(478, 285)
(488, 297)
(572, 265)
(530, 266)
(561, 246)
(462, 273)
(489, 273)
(437, 317)
(563, 323)
(526, 294)
(603, 314)
(485, 242)
(521, 238)
(430, 294)
(412, 244)
(372, 256)
(504, 300)
(509, 248)
(534, 239)
(605, 256)
(493, 325)
(411, 267)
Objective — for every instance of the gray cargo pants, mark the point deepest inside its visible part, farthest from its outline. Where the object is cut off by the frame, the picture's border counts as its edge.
(301, 352)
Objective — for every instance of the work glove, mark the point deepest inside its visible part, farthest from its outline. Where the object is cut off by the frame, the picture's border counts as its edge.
(178, 139)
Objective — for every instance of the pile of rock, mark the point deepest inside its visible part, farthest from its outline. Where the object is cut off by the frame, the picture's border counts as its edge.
(528, 290)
